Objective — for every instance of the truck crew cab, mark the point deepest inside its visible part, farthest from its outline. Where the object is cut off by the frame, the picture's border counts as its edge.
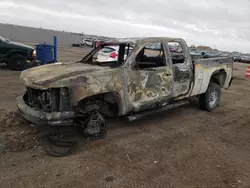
(148, 79)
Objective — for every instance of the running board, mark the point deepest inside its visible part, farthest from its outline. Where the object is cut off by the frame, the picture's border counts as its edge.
(156, 110)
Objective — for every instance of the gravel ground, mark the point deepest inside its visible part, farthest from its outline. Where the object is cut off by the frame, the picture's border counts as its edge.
(183, 147)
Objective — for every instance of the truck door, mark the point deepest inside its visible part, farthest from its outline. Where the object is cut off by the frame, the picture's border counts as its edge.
(182, 67)
(149, 78)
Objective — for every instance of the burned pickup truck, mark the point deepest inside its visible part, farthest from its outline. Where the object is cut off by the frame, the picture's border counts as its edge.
(123, 77)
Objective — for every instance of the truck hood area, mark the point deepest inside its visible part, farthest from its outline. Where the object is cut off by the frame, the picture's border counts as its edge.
(58, 74)
(21, 45)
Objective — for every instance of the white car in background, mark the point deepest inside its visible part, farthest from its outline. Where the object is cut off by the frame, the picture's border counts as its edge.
(110, 53)
(87, 42)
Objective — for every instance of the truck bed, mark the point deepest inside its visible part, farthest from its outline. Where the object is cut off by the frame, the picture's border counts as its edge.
(212, 61)
(199, 59)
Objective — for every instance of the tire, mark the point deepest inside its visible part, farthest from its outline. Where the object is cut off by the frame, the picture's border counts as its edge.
(17, 62)
(211, 99)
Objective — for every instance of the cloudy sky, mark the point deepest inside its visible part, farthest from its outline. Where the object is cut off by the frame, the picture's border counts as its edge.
(224, 24)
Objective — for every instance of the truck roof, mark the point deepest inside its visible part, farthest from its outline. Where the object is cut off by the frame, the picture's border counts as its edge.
(140, 39)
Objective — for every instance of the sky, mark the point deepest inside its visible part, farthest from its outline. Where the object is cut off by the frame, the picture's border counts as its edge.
(223, 24)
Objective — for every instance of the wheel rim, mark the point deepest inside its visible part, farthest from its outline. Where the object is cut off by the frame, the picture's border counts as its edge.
(19, 62)
(92, 125)
(213, 98)
(95, 126)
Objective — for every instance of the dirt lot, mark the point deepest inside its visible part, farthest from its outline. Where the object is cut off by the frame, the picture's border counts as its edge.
(184, 147)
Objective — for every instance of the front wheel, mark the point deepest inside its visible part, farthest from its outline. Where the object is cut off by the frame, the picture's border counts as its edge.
(17, 62)
(90, 119)
(211, 99)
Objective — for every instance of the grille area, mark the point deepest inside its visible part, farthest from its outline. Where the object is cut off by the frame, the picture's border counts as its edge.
(51, 100)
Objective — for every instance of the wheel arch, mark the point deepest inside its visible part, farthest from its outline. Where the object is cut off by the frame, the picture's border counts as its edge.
(219, 77)
(204, 78)
(14, 52)
(111, 98)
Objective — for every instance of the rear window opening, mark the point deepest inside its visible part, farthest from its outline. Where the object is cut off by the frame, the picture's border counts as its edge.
(111, 55)
(151, 56)
(176, 52)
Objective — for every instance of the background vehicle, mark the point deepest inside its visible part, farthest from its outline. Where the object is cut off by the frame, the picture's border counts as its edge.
(76, 45)
(245, 59)
(97, 43)
(153, 47)
(16, 55)
(87, 42)
(134, 85)
(110, 53)
(236, 58)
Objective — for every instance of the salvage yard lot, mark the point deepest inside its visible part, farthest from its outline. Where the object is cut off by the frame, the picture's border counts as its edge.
(183, 147)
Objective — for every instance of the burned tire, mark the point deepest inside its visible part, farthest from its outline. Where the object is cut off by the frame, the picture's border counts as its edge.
(17, 62)
(211, 99)
(59, 145)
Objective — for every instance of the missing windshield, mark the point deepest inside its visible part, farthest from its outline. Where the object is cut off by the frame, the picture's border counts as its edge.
(111, 55)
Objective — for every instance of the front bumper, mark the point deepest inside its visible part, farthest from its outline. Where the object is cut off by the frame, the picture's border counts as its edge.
(31, 62)
(54, 119)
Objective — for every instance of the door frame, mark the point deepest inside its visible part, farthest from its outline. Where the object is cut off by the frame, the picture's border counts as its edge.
(184, 69)
(135, 75)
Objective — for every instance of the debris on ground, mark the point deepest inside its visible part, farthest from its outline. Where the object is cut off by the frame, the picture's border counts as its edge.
(109, 179)
(15, 133)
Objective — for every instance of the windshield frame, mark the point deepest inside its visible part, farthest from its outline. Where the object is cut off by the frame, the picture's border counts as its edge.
(88, 58)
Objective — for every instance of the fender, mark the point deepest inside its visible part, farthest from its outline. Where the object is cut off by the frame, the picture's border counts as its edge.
(204, 75)
(23, 52)
(109, 97)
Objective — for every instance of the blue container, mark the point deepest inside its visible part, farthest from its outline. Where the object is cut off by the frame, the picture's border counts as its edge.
(44, 53)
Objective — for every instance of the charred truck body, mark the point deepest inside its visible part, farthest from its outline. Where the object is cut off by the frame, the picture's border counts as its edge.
(143, 76)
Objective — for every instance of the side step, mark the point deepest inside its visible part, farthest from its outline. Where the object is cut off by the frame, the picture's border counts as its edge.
(155, 110)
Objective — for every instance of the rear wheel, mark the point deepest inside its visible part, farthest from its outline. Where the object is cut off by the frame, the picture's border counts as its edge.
(211, 99)
(17, 62)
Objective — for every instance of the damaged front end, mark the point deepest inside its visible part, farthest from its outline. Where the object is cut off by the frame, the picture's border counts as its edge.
(46, 107)
(52, 107)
